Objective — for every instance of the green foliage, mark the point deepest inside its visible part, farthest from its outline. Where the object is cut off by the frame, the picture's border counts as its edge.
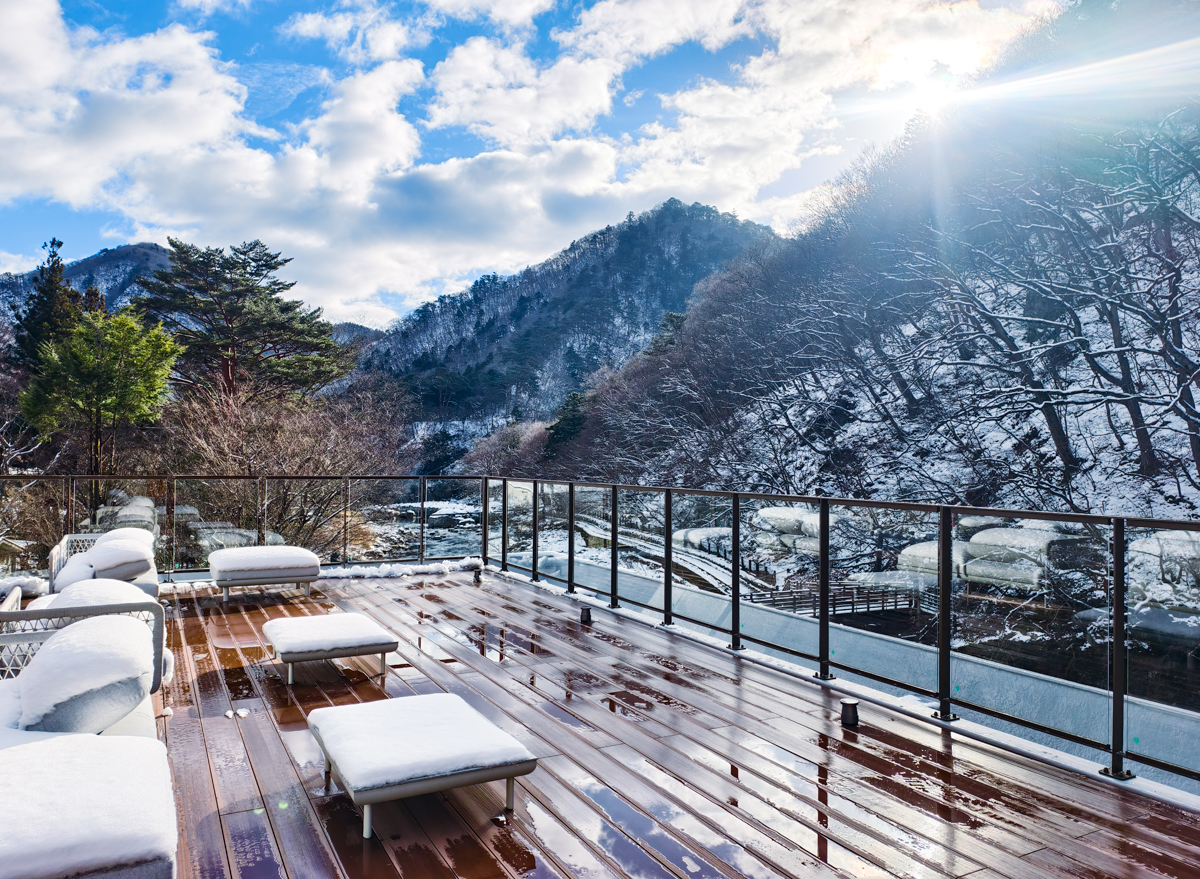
(237, 329)
(569, 422)
(106, 371)
(51, 311)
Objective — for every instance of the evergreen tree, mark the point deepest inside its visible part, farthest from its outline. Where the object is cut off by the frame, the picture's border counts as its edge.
(237, 329)
(106, 371)
(51, 311)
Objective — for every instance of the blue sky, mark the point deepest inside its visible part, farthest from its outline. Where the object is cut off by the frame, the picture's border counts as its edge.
(397, 151)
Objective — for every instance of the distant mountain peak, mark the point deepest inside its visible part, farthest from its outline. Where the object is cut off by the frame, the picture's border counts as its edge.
(519, 344)
(114, 271)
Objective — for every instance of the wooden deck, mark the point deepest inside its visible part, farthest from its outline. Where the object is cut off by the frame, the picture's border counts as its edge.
(658, 756)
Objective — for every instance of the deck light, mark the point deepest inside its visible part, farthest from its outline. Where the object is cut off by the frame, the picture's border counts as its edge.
(850, 712)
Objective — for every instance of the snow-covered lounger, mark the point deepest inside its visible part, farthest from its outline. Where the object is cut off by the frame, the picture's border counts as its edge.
(309, 639)
(397, 748)
(263, 566)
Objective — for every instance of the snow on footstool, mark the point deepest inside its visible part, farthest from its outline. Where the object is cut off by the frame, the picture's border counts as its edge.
(263, 566)
(397, 748)
(308, 639)
(82, 806)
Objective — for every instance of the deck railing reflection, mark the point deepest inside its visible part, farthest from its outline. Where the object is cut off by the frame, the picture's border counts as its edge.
(994, 612)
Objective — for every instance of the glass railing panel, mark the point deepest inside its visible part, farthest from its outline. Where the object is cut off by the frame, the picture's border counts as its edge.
(593, 533)
(1162, 706)
(106, 503)
(309, 512)
(32, 518)
(495, 490)
(553, 531)
(779, 588)
(520, 525)
(384, 520)
(1031, 622)
(701, 542)
(453, 518)
(640, 548)
(211, 514)
(883, 580)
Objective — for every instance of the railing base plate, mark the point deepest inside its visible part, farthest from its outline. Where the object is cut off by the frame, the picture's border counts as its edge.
(948, 716)
(1123, 775)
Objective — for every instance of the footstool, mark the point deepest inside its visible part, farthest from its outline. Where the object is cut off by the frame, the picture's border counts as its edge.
(397, 748)
(263, 566)
(308, 639)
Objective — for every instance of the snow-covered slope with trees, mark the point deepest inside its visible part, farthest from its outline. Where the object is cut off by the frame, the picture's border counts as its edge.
(113, 271)
(520, 344)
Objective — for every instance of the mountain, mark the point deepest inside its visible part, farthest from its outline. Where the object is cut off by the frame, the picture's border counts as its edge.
(114, 271)
(1000, 309)
(520, 344)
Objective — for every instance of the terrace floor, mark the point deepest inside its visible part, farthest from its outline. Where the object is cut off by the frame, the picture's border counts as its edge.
(659, 757)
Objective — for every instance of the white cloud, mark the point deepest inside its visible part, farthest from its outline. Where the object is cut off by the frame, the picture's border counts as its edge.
(17, 263)
(509, 13)
(499, 93)
(361, 32)
(210, 7)
(155, 127)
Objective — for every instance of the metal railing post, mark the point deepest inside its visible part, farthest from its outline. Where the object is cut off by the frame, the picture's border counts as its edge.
(174, 495)
(345, 520)
(1119, 683)
(735, 579)
(945, 580)
(504, 524)
(667, 561)
(571, 537)
(823, 592)
(534, 517)
(421, 513)
(260, 501)
(483, 522)
(612, 533)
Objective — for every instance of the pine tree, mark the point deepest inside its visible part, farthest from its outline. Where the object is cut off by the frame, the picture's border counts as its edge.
(106, 371)
(50, 313)
(238, 331)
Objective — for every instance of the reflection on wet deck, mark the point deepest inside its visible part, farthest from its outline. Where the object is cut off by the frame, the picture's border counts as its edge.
(659, 757)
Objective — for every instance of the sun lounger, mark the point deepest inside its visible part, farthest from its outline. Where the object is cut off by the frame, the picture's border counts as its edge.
(309, 639)
(263, 566)
(397, 748)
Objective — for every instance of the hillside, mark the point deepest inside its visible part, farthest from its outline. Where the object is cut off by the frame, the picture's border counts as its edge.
(1001, 309)
(114, 271)
(520, 344)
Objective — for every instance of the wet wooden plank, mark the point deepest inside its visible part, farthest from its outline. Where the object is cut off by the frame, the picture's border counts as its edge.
(252, 847)
(286, 802)
(201, 840)
(360, 858)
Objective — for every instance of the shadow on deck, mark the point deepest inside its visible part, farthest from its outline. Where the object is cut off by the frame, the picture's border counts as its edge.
(658, 757)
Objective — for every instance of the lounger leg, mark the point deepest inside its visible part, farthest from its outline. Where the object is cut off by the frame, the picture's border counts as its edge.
(366, 821)
(510, 785)
(224, 593)
(308, 588)
(291, 673)
(382, 665)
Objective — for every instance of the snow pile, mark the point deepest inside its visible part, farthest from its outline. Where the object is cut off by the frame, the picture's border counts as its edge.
(10, 703)
(30, 586)
(99, 591)
(74, 804)
(401, 570)
(394, 741)
(77, 568)
(141, 535)
(87, 676)
(249, 559)
(330, 632)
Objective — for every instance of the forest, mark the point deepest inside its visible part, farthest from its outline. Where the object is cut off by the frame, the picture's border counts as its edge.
(998, 309)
